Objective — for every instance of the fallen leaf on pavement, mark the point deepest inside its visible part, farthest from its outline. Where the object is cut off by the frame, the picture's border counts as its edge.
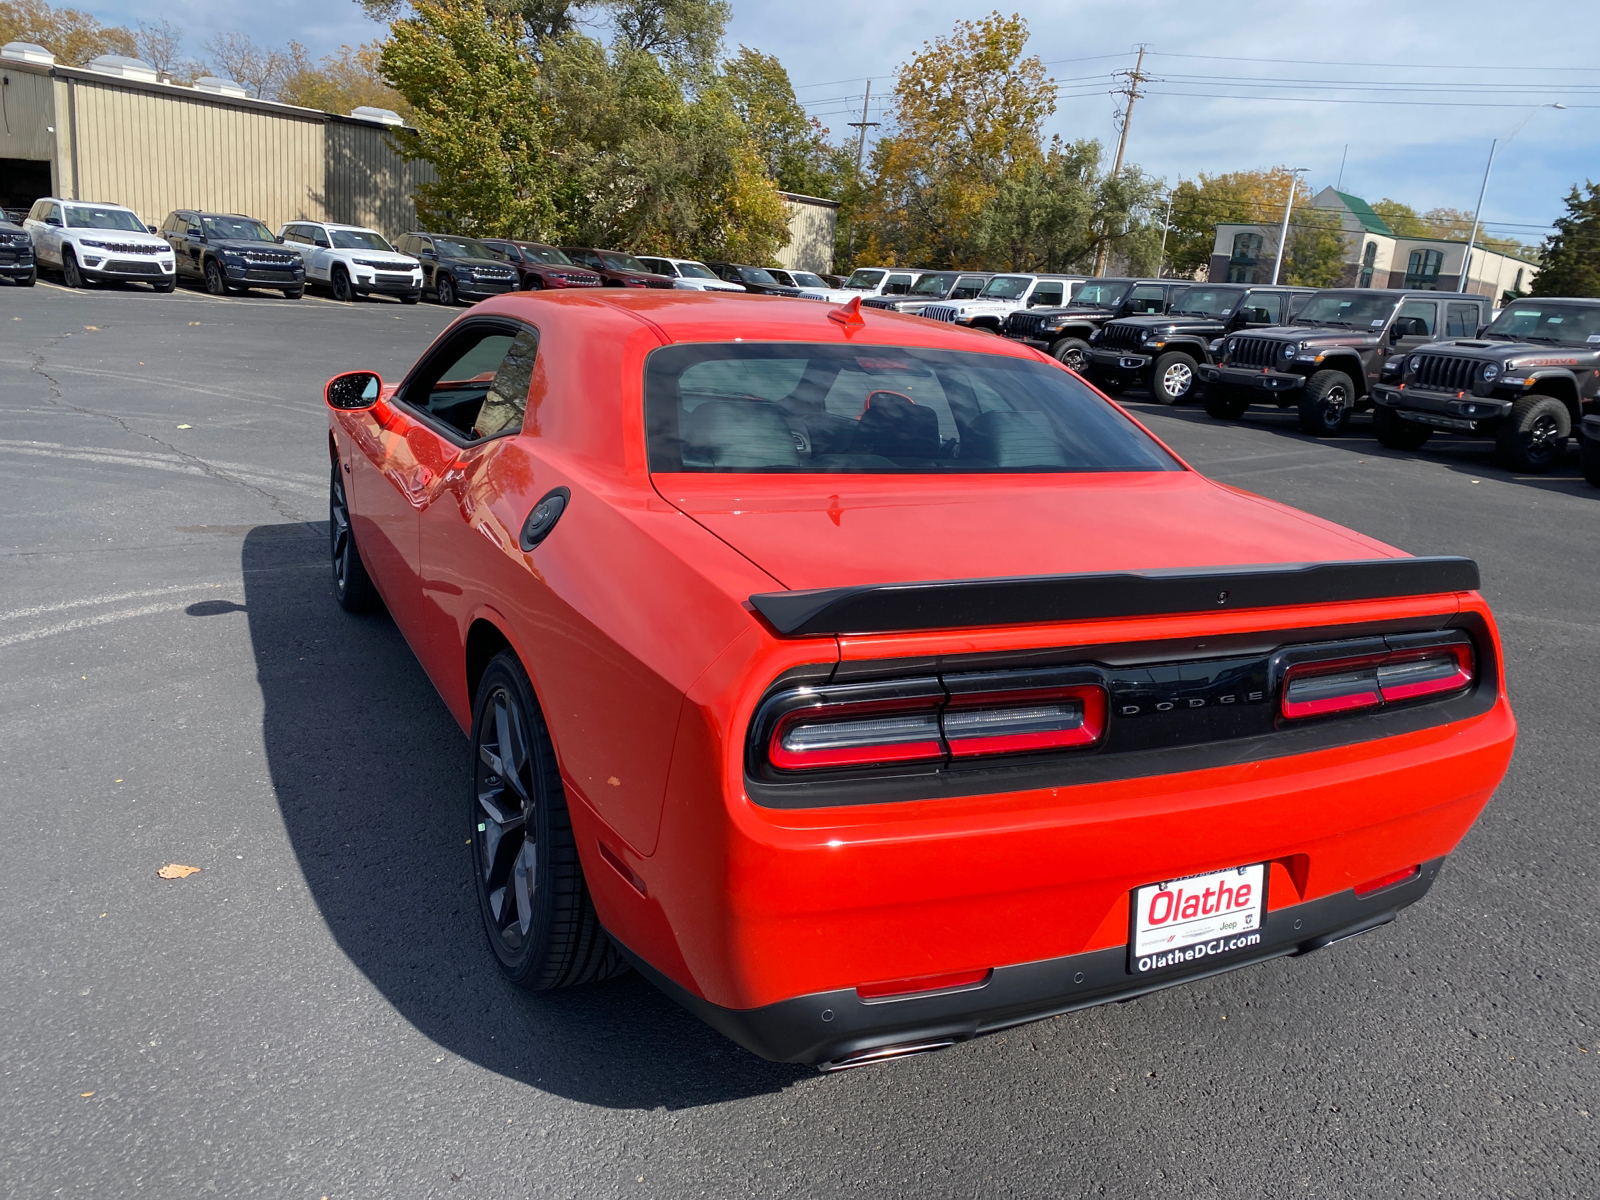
(177, 871)
(85, 1095)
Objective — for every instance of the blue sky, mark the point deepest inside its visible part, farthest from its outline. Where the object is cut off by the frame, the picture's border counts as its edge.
(1416, 92)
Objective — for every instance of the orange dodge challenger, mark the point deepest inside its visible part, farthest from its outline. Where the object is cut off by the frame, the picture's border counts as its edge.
(870, 684)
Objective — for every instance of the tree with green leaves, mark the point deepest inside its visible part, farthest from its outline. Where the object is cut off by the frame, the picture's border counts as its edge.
(480, 116)
(792, 145)
(1569, 259)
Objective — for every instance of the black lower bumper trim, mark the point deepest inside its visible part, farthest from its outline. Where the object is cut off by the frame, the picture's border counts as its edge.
(1119, 362)
(1263, 381)
(829, 1028)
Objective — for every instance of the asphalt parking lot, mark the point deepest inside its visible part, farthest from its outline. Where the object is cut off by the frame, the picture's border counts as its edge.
(315, 1014)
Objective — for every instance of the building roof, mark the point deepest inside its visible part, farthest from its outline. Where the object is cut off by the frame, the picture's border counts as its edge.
(1362, 211)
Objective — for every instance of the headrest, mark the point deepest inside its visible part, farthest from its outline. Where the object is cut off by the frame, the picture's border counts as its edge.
(748, 433)
(895, 427)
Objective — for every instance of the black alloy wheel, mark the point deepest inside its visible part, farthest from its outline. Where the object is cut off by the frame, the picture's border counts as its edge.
(1532, 437)
(1072, 353)
(445, 290)
(1173, 380)
(1397, 433)
(1326, 403)
(1225, 403)
(537, 912)
(216, 281)
(71, 273)
(352, 587)
(342, 289)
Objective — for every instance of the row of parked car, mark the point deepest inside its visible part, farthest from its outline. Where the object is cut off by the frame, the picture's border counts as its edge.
(90, 243)
(1527, 376)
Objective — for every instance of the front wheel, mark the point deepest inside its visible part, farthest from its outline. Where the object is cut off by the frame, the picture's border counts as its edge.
(1225, 403)
(1173, 380)
(342, 289)
(71, 273)
(1326, 404)
(29, 279)
(165, 285)
(216, 281)
(1397, 433)
(352, 587)
(537, 912)
(411, 298)
(445, 291)
(1072, 352)
(293, 293)
(1533, 435)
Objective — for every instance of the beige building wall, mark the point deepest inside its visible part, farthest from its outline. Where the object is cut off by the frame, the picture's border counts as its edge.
(367, 182)
(813, 224)
(29, 114)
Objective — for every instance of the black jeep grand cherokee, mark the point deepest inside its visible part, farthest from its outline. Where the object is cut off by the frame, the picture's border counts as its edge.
(1529, 382)
(1165, 352)
(1326, 360)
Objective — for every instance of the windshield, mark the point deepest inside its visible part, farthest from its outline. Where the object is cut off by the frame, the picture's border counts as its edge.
(1346, 310)
(236, 229)
(84, 216)
(933, 285)
(830, 409)
(546, 254)
(693, 270)
(359, 239)
(1207, 301)
(807, 279)
(454, 247)
(1546, 321)
(1101, 295)
(1005, 287)
(757, 276)
(864, 280)
(623, 262)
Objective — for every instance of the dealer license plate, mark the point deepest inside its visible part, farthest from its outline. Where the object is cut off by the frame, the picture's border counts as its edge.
(1185, 922)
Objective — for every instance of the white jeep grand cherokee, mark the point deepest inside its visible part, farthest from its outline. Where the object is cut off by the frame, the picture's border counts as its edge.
(353, 261)
(90, 242)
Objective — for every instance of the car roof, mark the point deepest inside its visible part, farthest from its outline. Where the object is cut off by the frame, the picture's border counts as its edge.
(85, 203)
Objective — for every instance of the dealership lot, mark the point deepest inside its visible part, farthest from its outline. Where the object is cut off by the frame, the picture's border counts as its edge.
(314, 1012)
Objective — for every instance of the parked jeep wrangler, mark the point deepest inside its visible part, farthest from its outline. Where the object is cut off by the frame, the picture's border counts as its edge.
(1327, 358)
(1527, 382)
(1064, 330)
(932, 288)
(1165, 352)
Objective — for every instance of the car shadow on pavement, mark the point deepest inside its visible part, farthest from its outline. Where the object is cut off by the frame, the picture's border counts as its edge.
(1464, 455)
(368, 769)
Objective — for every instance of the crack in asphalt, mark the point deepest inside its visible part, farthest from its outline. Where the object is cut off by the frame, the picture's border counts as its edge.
(58, 399)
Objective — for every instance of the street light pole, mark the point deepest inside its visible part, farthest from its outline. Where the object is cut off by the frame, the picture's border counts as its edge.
(1466, 263)
(1283, 234)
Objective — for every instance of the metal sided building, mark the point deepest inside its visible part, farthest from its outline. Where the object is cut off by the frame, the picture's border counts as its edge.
(115, 133)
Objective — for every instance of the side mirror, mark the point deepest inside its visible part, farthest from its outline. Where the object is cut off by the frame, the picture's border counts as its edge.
(152, 229)
(1398, 330)
(1482, 329)
(56, 221)
(353, 390)
(279, 239)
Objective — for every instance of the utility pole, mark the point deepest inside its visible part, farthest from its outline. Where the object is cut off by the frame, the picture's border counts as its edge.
(1466, 264)
(861, 150)
(1342, 158)
(1283, 234)
(1130, 92)
(1166, 225)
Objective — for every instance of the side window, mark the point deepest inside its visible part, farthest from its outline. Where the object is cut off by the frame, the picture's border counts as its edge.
(478, 383)
(53, 213)
(967, 287)
(1461, 320)
(192, 225)
(1422, 315)
(1047, 295)
(1147, 298)
(897, 285)
(1242, 263)
(1264, 307)
(36, 213)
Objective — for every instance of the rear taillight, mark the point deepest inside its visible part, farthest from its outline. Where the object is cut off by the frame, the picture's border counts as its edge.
(1392, 879)
(923, 720)
(1316, 687)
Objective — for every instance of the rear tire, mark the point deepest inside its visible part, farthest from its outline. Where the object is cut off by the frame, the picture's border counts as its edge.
(1173, 379)
(352, 586)
(1589, 459)
(1397, 433)
(1533, 436)
(1225, 403)
(1072, 352)
(537, 912)
(1326, 403)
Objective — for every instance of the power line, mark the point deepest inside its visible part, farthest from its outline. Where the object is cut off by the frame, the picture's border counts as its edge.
(1410, 66)
(1343, 100)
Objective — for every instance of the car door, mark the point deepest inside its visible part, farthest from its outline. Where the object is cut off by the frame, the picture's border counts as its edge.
(1417, 322)
(1461, 319)
(316, 249)
(47, 231)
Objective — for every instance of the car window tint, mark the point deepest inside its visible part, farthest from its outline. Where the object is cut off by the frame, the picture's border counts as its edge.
(1264, 307)
(1425, 311)
(967, 287)
(1046, 294)
(478, 383)
(1460, 320)
(1148, 298)
(825, 409)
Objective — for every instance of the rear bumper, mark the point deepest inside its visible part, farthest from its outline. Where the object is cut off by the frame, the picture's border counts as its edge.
(1267, 382)
(831, 1028)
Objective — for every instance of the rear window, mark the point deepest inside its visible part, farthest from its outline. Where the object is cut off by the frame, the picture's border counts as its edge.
(824, 409)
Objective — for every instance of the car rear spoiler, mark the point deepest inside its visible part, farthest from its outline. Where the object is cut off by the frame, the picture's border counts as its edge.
(1043, 599)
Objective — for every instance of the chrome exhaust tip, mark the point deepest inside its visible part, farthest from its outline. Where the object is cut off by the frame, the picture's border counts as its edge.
(877, 1054)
